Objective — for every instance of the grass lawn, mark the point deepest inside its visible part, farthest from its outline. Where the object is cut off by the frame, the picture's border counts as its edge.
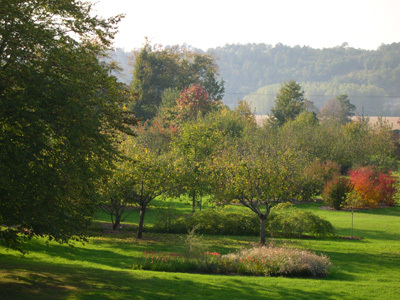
(101, 269)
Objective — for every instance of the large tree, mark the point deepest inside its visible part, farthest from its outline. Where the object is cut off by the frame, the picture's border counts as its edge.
(148, 175)
(339, 109)
(158, 69)
(259, 171)
(115, 196)
(196, 145)
(193, 149)
(289, 103)
(59, 115)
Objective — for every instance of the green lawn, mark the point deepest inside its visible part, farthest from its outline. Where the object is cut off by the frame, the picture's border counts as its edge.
(101, 269)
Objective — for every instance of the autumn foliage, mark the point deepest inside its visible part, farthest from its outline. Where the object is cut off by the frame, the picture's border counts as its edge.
(193, 100)
(375, 188)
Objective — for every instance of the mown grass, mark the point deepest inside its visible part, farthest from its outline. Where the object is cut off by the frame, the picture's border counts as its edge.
(101, 269)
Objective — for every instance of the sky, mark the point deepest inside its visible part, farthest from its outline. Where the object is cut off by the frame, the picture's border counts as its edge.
(205, 24)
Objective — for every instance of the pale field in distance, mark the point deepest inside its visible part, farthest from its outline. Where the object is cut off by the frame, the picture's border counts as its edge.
(393, 121)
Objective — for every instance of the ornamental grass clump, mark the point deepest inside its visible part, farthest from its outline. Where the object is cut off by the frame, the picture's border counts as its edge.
(276, 261)
(206, 262)
(258, 261)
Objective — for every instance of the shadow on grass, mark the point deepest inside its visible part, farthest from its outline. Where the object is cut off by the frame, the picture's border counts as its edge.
(367, 234)
(85, 255)
(50, 281)
(348, 265)
(387, 211)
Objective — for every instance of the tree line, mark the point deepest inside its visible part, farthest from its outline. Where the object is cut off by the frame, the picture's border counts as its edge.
(254, 72)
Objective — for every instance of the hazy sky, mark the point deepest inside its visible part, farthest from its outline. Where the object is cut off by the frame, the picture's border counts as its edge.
(211, 23)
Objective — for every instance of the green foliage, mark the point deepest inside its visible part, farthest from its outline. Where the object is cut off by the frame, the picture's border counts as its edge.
(258, 170)
(286, 223)
(193, 243)
(244, 110)
(335, 192)
(369, 77)
(212, 221)
(367, 99)
(115, 196)
(159, 69)
(146, 175)
(289, 103)
(339, 109)
(355, 143)
(153, 73)
(60, 114)
(314, 179)
(297, 223)
(382, 146)
(193, 149)
(166, 218)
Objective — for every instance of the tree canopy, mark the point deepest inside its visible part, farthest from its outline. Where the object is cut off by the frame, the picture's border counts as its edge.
(339, 108)
(60, 113)
(158, 69)
(289, 103)
(259, 171)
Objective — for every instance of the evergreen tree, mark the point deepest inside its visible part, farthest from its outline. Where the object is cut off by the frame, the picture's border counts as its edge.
(289, 103)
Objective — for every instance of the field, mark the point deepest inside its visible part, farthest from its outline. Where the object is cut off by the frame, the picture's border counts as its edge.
(393, 121)
(101, 268)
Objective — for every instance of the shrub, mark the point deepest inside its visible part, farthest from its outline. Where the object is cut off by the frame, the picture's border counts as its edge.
(193, 243)
(335, 191)
(167, 216)
(315, 178)
(296, 223)
(375, 188)
(387, 188)
(287, 222)
(212, 221)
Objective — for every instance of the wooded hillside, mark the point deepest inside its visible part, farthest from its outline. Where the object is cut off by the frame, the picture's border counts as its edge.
(254, 72)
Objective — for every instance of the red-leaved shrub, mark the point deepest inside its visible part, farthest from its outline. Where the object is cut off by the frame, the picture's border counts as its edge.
(387, 188)
(375, 188)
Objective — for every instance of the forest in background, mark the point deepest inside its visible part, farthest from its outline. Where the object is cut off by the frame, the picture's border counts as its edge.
(254, 72)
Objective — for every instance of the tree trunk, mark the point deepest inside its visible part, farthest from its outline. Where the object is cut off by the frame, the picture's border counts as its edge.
(262, 229)
(141, 220)
(193, 202)
(117, 221)
(351, 232)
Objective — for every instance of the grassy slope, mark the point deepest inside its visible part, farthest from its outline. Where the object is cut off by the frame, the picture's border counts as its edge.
(364, 269)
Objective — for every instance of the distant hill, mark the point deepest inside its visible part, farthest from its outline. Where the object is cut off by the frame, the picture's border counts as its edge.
(254, 72)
